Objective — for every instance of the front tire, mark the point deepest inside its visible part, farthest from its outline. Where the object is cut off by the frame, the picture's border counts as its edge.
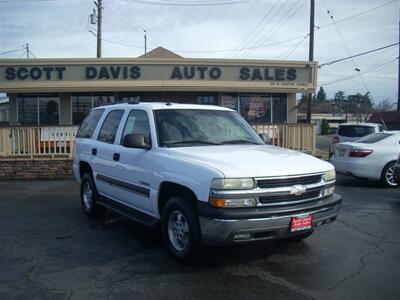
(181, 230)
(387, 177)
(89, 197)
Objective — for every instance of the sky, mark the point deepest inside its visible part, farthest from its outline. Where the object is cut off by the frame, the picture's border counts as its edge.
(239, 29)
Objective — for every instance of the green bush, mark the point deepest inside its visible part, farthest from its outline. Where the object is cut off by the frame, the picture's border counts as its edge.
(324, 127)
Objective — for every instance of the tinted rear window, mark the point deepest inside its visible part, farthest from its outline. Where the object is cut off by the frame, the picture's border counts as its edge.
(89, 124)
(110, 126)
(355, 130)
(373, 138)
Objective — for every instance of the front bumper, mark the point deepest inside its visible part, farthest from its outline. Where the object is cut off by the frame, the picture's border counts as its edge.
(229, 226)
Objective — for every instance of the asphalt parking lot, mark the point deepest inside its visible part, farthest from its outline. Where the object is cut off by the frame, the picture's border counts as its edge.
(51, 250)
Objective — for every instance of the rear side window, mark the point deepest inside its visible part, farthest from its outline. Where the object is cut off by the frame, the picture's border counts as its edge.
(355, 130)
(89, 124)
(110, 125)
(373, 138)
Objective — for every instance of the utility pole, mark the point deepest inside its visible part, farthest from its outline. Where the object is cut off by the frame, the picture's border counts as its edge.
(398, 82)
(311, 55)
(145, 43)
(27, 50)
(99, 5)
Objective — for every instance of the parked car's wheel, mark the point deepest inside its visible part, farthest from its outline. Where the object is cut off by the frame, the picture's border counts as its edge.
(298, 238)
(89, 197)
(387, 177)
(181, 230)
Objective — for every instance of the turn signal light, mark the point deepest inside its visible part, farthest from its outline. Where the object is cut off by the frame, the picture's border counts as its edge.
(231, 203)
(359, 153)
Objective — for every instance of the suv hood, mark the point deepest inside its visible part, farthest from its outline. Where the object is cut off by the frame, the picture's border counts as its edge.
(252, 160)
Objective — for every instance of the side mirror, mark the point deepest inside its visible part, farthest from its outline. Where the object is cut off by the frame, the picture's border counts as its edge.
(266, 139)
(135, 141)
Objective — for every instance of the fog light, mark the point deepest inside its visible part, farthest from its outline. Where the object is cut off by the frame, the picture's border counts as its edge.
(242, 236)
(329, 191)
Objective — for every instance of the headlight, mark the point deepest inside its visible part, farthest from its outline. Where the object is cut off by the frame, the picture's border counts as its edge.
(232, 203)
(232, 184)
(330, 175)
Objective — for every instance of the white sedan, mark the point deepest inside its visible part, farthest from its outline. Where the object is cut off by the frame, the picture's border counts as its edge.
(371, 157)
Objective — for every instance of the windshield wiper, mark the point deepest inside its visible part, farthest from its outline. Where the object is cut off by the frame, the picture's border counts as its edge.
(235, 142)
(204, 142)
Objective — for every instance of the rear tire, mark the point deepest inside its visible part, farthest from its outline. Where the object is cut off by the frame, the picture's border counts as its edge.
(387, 176)
(181, 231)
(89, 197)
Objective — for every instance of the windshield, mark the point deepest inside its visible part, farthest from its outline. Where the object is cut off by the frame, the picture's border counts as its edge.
(355, 130)
(195, 127)
(373, 138)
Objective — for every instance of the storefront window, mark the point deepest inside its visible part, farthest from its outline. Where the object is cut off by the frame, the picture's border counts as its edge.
(279, 107)
(100, 99)
(256, 108)
(127, 97)
(230, 101)
(206, 99)
(28, 110)
(48, 110)
(81, 105)
(38, 109)
(264, 108)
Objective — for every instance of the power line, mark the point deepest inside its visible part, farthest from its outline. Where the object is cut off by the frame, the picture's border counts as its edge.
(288, 53)
(269, 22)
(359, 14)
(11, 51)
(192, 3)
(356, 55)
(345, 45)
(139, 29)
(279, 25)
(378, 66)
(255, 28)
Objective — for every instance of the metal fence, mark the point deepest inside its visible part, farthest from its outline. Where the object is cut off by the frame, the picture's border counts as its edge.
(58, 141)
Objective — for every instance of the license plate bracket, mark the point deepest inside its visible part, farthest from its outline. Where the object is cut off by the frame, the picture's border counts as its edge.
(301, 222)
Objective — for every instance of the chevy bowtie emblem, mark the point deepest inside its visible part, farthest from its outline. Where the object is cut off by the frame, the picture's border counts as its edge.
(298, 190)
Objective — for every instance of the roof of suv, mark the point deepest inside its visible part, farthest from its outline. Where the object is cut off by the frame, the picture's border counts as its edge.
(359, 124)
(164, 105)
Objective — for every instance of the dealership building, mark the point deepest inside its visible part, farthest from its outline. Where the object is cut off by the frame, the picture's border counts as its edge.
(52, 92)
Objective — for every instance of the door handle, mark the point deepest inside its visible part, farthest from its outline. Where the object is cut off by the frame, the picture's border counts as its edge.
(116, 156)
(94, 151)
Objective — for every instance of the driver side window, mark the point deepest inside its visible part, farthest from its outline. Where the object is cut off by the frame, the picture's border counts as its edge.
(137, 123)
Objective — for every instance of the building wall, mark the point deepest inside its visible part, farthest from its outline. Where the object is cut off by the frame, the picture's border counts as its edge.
(36, 169)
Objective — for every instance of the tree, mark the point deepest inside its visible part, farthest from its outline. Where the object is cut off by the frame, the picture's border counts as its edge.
(321, 96)
(339, 101)
(359, 105)
(324, 127)
(384, 105)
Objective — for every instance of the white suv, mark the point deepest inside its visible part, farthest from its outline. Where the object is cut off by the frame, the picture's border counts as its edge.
(203, 173)
(349, 132)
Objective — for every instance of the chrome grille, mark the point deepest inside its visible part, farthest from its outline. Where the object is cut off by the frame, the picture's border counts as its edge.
(284, 199)
(288, 181)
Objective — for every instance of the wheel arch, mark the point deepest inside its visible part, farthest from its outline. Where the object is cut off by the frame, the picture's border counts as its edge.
(85, 167)
(169, 189)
